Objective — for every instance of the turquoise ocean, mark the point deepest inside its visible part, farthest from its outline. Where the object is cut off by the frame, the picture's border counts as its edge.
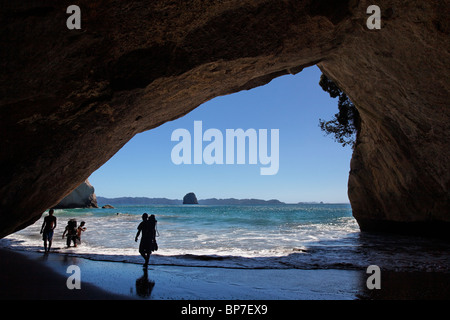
(297, 236)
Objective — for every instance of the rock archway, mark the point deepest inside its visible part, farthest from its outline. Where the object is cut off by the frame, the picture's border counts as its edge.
(70, 99)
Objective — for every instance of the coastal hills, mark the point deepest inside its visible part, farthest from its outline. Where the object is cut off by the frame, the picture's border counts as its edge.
(211, 201)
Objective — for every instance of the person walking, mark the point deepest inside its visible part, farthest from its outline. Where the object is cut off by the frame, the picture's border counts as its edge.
(47, 228)
(148, 241)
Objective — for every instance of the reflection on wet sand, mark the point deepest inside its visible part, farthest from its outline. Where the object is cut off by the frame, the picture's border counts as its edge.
(144, 286)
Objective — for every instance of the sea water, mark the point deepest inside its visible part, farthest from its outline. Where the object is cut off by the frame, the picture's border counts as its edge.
(302, 236)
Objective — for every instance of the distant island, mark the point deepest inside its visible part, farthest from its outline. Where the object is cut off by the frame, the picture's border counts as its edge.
(190, 198)
(165, 201)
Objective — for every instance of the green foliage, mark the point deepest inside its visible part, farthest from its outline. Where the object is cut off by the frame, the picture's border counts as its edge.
(345, 124)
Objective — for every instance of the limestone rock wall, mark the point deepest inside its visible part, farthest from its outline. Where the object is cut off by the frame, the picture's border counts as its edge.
(70, 99)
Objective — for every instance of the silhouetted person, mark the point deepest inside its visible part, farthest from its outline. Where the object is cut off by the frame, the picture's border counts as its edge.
(71, 230)
(148, 241)
(47, 228)
(80, 229)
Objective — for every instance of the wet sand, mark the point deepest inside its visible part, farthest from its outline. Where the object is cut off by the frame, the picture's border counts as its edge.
(23, 276)
(32, 275)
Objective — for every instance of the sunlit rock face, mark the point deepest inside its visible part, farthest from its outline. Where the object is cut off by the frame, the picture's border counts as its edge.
(70, 99)
(82, 197)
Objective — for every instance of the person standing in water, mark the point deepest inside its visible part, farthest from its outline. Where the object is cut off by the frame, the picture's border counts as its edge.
(47, 228)
(71, 230)
(80, 229)
(148, 240)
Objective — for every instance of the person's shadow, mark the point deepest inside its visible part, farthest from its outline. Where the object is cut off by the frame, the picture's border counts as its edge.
(144, 286)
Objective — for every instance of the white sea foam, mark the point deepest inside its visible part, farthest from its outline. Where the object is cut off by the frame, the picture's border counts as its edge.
(268, 237)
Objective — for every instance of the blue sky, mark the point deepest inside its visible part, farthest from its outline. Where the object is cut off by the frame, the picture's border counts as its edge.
(312, 166)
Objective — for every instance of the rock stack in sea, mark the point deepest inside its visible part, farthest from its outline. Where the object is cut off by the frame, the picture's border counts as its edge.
(82, 197)
(190, 198)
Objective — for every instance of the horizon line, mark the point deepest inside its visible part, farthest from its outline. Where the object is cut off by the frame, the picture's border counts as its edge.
(282, 202)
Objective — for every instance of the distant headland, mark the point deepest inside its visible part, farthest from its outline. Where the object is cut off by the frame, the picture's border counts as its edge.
(166, 201)
(210, 201)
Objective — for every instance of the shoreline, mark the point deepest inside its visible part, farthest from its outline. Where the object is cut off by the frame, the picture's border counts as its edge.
(24, 277)
(34, 275)
(120, 280)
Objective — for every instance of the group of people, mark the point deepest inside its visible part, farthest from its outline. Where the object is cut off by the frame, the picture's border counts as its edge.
(147, 228)
(73, 232)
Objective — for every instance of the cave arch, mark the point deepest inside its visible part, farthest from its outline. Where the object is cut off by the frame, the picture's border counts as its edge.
(307, 159)
(71, 98)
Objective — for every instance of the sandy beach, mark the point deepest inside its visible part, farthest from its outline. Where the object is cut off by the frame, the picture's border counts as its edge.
(30, 275)
(33, 275)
